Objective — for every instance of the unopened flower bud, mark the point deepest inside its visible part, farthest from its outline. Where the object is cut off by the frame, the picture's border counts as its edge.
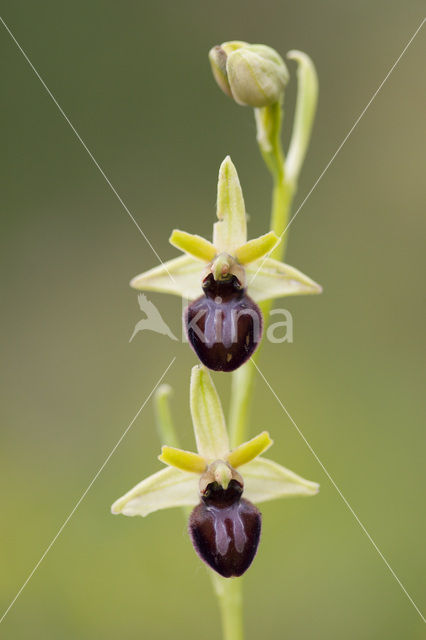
(252, 74)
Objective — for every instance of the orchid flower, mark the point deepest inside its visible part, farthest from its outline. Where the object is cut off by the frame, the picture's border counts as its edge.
(228, 254)
(225, 278)
(224, 525)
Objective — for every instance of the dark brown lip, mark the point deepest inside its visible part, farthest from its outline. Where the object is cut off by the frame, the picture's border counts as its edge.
(225, 530)
(224, 325)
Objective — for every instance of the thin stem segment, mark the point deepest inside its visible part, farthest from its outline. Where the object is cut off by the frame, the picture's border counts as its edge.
(268, 122)
(229, 595)
(285, 173)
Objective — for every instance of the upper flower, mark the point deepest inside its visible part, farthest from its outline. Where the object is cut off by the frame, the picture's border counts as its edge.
(225, 527)
(228, 255)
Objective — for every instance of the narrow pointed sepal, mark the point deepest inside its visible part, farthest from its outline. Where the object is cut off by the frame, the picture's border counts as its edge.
(266, 480)
(164, 489)
(196, 246)
(180, 276)
(207, 416)
(269, 278)
(230, 231)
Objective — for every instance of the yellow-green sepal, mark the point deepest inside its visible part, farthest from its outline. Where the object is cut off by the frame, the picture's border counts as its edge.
(266, 480)
(164, 489)
(230, 231)
(207, 416)
(268, 279)
(180, 276)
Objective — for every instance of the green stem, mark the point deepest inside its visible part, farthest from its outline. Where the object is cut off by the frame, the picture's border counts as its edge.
(285, 173)
(282, 196)
(229, 594)
(268, 121)
(241, 392)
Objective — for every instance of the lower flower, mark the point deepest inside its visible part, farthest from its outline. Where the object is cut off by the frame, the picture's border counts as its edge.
(224, 525)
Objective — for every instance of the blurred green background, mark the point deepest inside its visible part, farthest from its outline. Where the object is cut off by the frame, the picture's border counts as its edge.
(134, 79)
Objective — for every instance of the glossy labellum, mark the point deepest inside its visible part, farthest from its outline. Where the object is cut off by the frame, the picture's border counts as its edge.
(224, 326)
(225, 529)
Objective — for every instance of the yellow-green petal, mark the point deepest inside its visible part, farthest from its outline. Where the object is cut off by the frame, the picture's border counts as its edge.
(197, 247)
(248, 451)
(207, 416)
(230, 231)
(183, 460)
(256, 248)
